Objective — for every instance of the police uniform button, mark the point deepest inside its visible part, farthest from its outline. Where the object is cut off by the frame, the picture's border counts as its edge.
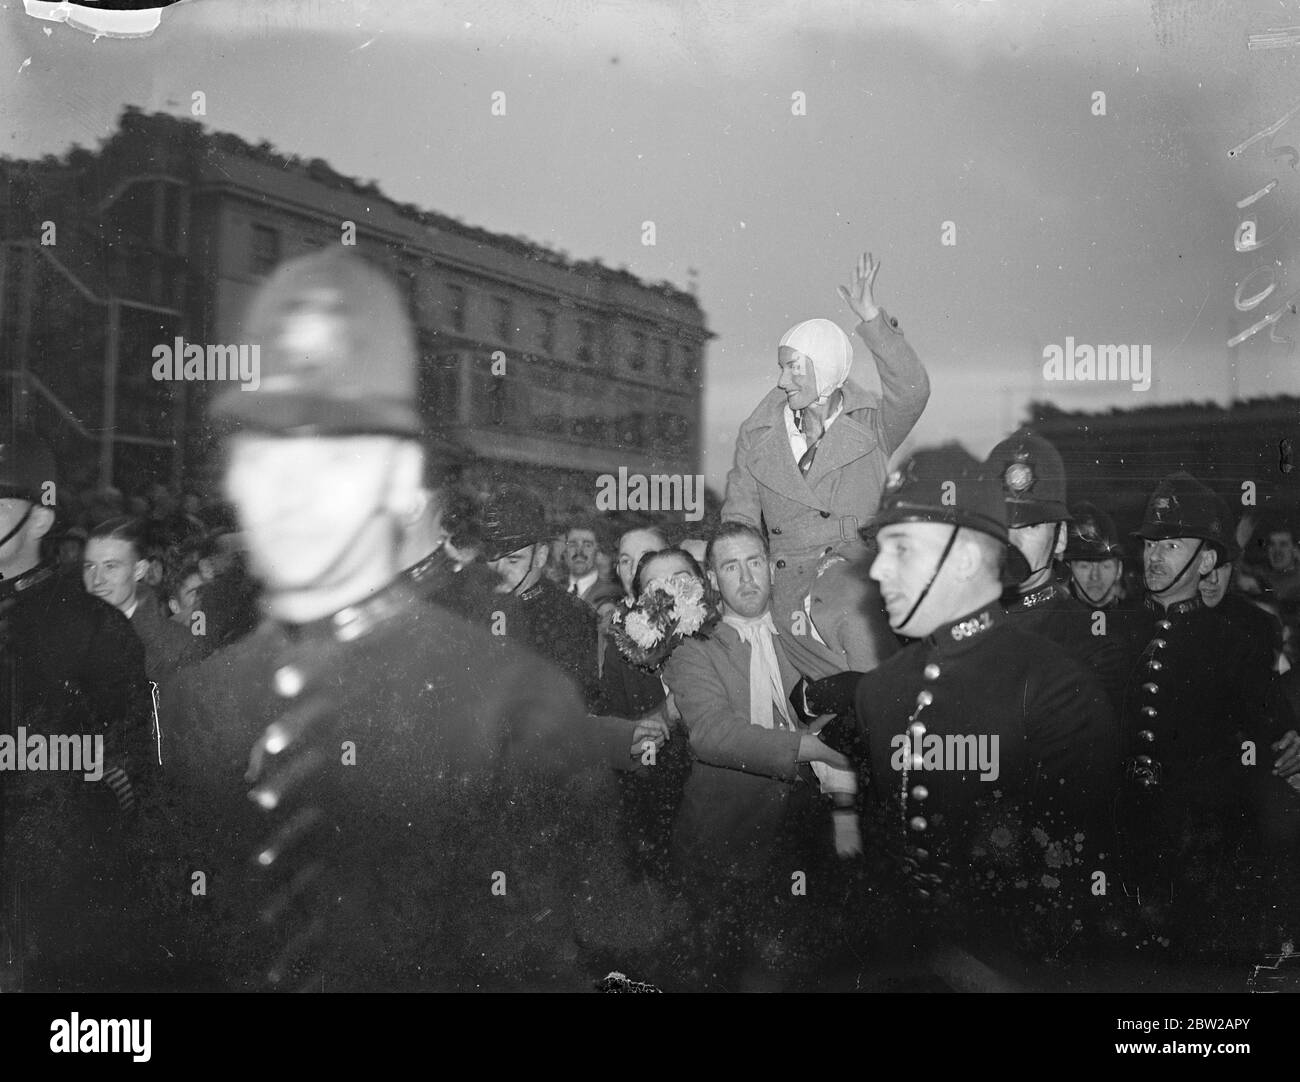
(776, 529)
(827, 551)
(825, 514)
(924, 698)
(917, 762)
(920, 792)
(1149, 711)
(1148, 736)
(1164, 625)
(931, 671)
(917, 728)
(921, 854)
(922, 892)
(893, 322)
(1155, 665)
(918, 823)
(288, 682)
(1159, 644)
(780, 565)
(1150, 689)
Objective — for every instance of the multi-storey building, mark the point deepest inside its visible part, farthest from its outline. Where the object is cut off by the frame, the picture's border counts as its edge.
(1248, 452)
(167, 230)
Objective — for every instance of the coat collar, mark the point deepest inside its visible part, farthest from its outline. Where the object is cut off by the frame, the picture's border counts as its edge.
(729, 638)
(842, 443)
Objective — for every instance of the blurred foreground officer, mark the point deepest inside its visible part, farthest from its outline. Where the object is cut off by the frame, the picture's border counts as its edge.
(1033, 486)
(991, 752)
(70, 666)
(380, 798)
(1195, 698)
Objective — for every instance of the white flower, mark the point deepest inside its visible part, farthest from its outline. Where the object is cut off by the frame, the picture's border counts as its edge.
(641, 630)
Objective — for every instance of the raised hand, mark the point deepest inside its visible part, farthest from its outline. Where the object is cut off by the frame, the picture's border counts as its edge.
(860, 297)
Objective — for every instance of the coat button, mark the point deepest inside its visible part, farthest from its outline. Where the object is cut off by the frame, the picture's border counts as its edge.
(776, 529)
(921, 854)
(1149, 711)
(827, 552)
(288, 682)
(1150, 689)
(918, 823)
(924, 697)
(931, 671)
(825, 514)
(1164, 625)
(1148, 736)
(920, 792)
(780, 565)
(1159, 644)
(1155, 665)
(917, 728)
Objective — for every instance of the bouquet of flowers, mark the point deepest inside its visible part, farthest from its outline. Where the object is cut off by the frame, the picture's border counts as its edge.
(668, 611)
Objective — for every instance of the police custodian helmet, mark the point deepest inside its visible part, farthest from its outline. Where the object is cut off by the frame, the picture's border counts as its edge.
(1093, 535)
(947, 485)
(1032, 476)
(1183, 507)
(337, 353)
(512, 518)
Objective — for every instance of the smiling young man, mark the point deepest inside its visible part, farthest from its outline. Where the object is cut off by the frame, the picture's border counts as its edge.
(113, 570)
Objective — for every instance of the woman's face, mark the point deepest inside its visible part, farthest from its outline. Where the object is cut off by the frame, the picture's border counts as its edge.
(672, 567)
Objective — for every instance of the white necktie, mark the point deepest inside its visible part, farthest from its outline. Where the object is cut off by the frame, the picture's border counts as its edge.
(767, 705)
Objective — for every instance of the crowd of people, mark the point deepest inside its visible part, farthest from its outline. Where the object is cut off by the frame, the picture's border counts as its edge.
(368, 729)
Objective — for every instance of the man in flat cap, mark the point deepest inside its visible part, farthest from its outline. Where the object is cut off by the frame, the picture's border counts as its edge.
(70, 667)
(812, 457)
(989, 753)
(407, 796)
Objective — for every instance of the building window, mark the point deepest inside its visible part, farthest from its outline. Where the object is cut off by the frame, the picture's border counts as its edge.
(586, 341)
(690, 370)
(546, 338)
(636, 358)
(504, 319)
(456, 307)
(665, 357)
(265, 249)
(411, 290)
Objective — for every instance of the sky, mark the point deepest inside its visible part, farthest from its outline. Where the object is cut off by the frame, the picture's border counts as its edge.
(1107, 229)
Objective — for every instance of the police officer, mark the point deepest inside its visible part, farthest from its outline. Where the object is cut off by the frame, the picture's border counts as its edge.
(376, 797)
(988, 748)
(1095, 557)
(537, 614)
(1195, 697)
(69, 664)
(1032, 476)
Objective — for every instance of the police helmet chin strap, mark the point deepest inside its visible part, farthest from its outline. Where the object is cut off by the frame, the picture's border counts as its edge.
(1196, 554)
(1094, 602)
(532, 555)
(952, 538)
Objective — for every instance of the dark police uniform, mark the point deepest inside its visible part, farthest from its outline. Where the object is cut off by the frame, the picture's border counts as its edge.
(560, 627)
(1198, 691)
(1033, 486)
(1002, 853)
(69, 664)
(380, 799)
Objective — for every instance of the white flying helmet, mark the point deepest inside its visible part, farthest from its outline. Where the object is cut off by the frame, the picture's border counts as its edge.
(827, 347)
